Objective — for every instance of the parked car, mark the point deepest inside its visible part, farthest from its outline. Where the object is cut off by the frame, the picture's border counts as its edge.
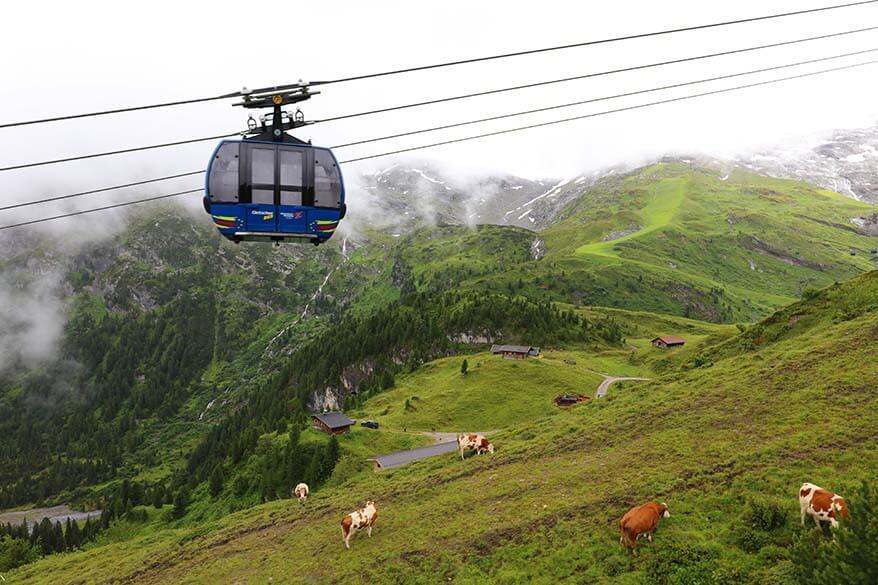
(369, 424)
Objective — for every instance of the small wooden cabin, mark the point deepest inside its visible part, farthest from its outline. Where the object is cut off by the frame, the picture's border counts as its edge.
(515, 352)
(666, 341)
(333, 423)
(570, 399)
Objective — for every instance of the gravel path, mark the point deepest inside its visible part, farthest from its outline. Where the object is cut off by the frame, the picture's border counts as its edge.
(602, 389)
(402, 457)
(445, 443)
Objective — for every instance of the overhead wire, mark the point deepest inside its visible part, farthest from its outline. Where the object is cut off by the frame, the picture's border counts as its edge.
(454, 98)
(603, 98)
(101, 190)
(478, 136)
(471, 122)
(284, 87)
(115, 152)
(597, 42)
(95, 209)
(596, 74)
(606, 112)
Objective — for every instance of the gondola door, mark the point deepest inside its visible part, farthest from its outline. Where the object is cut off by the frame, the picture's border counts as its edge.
(293, 188)
(260, 187)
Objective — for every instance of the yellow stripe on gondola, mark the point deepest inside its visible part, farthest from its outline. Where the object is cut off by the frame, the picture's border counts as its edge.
(225, 217)
(325, 222)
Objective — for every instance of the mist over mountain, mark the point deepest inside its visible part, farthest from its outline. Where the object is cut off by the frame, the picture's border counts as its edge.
(158, 364)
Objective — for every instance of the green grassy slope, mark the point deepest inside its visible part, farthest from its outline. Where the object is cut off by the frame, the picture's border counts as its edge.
(789, 400)
(495, 393)
(687, 242)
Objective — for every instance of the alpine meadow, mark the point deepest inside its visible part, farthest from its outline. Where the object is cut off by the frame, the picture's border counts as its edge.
(619, 326)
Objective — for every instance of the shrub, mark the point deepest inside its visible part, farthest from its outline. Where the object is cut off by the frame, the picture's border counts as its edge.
(765, 515)
(240, 485)
(749, 539)
(15, 552)
(702, 361)
(678, 564)
(810, 292)
(137, 515)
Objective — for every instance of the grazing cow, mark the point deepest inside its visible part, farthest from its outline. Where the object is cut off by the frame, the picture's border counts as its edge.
(362, 518)
(821, 504)
(301, 491)
(476, 443)
(641, 521)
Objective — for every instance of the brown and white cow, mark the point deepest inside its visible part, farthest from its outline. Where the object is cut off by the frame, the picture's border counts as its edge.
(471, 442)
(301, 491)
(641, 521)
(362, 518)
(821, 504)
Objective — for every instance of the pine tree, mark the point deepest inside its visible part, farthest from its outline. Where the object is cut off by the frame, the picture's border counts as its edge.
(464, 366)
(158, 496)
(216, 480)
(312, 472)
(88, 531)
(125, 492)
(330, 457)
(181, 502)
(73, 536)
(46, 536)
(106, 516)
(68, 534)
(58, 537)
(137, 493)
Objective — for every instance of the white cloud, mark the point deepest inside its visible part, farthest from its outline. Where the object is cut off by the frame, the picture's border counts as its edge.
(95, 55)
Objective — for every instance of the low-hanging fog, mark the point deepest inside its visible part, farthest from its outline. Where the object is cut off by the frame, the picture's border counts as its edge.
(100, 55)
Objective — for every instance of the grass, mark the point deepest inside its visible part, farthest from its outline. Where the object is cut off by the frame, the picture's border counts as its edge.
(722, 251)
(762, 419)
(494, 394)
(659, 210)
(786, 400)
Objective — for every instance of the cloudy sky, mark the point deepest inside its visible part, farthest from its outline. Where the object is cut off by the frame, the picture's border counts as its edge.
(66, 57)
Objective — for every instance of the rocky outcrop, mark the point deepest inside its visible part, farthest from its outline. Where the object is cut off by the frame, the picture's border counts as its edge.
(766, 249)
(616, 234)
(472, 338)
(868, 226)
(537, 249)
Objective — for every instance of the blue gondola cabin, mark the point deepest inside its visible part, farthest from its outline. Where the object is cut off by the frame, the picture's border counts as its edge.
(274, 191)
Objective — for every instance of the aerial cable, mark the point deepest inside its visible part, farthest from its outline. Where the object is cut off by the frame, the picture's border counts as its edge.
(101, 190)
(300, 84)
(600, 99)
(591, 43)
(592, 75)
(114, 152)
(452, 98)
(485, 135)
(469, 122)
(104, 208)
(607, 112)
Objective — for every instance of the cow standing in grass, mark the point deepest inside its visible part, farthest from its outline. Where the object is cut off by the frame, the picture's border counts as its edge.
(821, 504)
(641, 521)
(362, 518)
(301, 491)
(470, 442)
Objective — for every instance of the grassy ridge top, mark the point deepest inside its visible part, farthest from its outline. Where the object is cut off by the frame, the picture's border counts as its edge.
(755, 423)
(650, 239)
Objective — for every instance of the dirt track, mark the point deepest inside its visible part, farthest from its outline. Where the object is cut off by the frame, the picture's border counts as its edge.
(602, 389)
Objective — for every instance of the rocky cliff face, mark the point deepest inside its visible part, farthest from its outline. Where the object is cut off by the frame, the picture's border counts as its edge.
(846, 162)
